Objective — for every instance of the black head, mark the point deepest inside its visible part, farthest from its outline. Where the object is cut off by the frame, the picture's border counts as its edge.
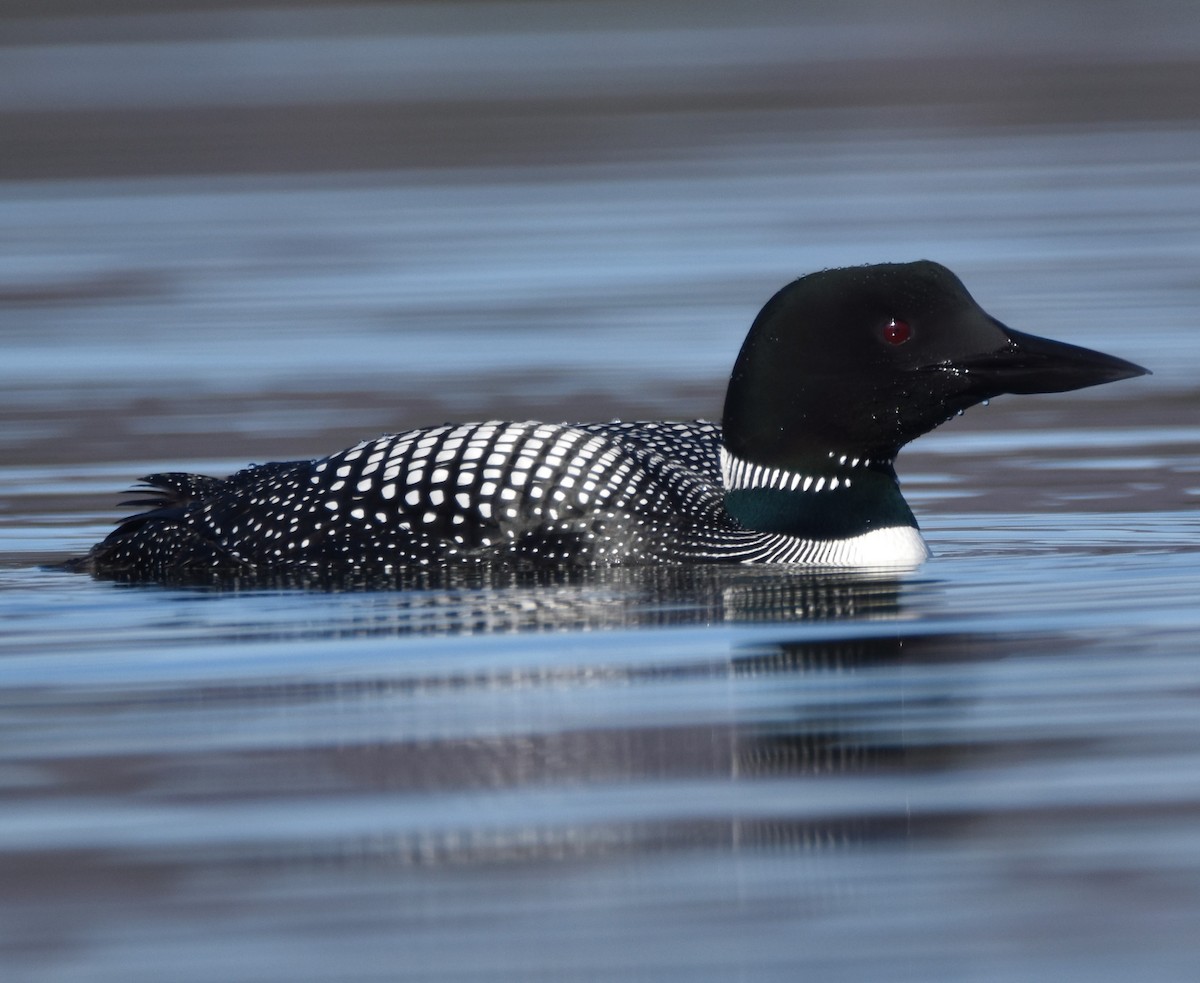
(862, 360)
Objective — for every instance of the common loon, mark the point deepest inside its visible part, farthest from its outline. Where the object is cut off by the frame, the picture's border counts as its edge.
(840, 370)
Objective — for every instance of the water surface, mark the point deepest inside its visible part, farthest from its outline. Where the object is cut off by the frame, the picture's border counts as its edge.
(255, 234)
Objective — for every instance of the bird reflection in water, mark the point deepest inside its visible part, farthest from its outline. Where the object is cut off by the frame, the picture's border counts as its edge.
(567, 754)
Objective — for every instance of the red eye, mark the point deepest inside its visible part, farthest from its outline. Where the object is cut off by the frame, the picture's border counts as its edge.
(896, 332)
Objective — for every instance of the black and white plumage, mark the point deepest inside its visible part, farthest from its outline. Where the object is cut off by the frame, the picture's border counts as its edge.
(589, 494)
(840, 369)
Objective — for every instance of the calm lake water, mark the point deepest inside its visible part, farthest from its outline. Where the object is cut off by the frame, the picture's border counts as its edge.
(253, 234)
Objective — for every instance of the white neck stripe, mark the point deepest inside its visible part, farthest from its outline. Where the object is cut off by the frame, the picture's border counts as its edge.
(737, 474)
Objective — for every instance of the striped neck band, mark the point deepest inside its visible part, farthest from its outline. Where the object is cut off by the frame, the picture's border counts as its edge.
(737, 474)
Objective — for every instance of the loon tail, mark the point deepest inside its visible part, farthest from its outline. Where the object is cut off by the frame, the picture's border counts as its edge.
(170, 490)
(156, 535)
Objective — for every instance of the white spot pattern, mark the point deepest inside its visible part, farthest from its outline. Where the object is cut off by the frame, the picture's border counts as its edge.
(588, 494)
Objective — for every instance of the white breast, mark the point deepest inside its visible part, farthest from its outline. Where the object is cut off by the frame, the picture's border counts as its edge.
(897, 546)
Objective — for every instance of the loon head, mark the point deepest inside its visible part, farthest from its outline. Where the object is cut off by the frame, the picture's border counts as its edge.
(857, 362)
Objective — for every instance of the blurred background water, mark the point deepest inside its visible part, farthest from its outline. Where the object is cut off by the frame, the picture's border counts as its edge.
(234, 232)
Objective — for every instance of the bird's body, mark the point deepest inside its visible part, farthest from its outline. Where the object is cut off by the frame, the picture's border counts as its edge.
(533, 493)
(840, 370)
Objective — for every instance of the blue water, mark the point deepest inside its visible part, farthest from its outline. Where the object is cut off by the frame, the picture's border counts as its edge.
(986, 769)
